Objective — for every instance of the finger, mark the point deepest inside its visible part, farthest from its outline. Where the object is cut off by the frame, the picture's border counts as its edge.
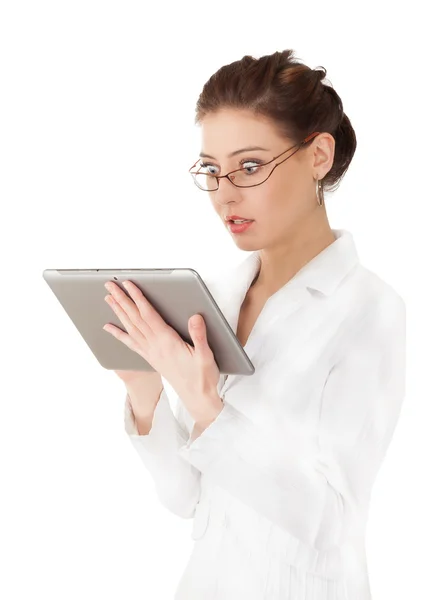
(129, 307)
(121, 336)
(132, 330)
(198, 334)
(148, 315)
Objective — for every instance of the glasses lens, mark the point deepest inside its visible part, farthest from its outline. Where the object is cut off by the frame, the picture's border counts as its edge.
(205, 182)
(251, 175)
(246, 177)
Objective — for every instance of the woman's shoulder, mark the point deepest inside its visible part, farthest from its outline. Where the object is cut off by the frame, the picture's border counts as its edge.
(368, 310)
(371, 289)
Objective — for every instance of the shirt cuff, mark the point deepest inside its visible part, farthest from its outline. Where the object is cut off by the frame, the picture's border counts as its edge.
(207, 447)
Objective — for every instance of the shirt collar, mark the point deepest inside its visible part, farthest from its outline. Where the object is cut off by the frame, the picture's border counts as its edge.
(323, 273)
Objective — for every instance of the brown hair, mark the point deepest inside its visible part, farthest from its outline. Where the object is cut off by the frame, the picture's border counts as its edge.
(291, 94)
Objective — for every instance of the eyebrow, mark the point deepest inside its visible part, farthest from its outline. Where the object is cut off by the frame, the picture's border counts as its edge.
(247, 149)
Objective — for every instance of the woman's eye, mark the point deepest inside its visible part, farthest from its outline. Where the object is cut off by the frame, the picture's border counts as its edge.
(250, 170)
(206, 167)
(249, 166)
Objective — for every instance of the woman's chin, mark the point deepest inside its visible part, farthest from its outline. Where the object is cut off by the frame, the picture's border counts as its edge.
(245, 243)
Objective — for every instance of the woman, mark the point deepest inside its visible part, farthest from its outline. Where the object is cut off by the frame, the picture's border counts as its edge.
(278, 474)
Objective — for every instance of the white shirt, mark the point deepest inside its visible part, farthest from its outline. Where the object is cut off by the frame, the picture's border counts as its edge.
(279, 484)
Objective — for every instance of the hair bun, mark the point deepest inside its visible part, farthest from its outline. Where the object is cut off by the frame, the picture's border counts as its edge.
(321, 74)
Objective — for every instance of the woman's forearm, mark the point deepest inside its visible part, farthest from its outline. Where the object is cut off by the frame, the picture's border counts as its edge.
(143, 397)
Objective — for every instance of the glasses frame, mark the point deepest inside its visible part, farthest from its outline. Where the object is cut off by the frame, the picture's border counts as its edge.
(218, 177)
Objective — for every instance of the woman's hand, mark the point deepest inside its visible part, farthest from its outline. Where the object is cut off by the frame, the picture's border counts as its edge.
(191, 371)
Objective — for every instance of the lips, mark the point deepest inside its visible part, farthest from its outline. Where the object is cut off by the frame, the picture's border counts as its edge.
(239, 228)
(237, 218)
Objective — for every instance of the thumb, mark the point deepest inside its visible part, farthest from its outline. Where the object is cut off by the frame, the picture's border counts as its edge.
(198, 332)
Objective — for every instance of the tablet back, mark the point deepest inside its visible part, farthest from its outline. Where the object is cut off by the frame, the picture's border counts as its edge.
(177, 294)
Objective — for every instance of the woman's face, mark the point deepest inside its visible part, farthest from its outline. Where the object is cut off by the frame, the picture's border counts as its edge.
(279, 206)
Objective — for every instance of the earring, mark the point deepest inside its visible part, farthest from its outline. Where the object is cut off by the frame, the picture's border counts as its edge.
(319, 192)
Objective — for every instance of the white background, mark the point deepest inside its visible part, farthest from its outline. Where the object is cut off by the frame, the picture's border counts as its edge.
(96, 115)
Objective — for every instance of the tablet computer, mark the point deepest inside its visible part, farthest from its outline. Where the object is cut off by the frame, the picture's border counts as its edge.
(177, 294)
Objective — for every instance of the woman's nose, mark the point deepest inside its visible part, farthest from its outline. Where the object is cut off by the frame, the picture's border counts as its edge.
(226, 192)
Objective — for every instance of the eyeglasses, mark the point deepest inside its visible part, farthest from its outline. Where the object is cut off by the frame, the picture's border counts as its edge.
(244, 177)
